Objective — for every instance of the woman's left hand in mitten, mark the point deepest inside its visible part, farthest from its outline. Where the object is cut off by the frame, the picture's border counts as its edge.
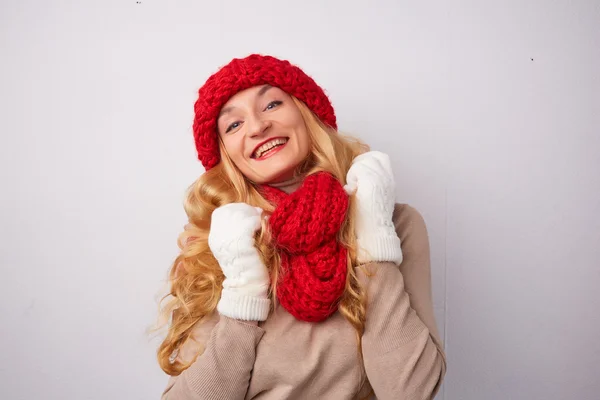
(372, 179)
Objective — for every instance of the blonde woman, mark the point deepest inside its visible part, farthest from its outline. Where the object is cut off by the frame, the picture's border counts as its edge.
(299, 277)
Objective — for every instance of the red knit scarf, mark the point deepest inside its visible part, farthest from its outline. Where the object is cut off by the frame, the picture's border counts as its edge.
(305, 226)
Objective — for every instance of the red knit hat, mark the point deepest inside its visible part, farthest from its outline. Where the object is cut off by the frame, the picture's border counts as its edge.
(244, 73)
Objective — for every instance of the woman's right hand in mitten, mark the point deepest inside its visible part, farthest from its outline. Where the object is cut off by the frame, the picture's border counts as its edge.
(231, 240)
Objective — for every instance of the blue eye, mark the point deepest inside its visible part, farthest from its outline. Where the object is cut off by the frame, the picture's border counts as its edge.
(232, 126)
(273, 104)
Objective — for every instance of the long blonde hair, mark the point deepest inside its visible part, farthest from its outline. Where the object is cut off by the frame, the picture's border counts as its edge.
(195, 276)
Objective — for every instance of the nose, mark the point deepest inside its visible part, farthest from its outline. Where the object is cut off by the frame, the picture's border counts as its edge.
(257, 126)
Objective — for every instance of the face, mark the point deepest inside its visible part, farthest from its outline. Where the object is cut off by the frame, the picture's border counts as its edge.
(264, 134)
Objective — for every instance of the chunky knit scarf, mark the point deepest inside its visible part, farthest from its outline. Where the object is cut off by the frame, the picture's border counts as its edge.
(305, 226)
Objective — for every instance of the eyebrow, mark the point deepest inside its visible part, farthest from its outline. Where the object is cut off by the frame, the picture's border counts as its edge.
(261, 92)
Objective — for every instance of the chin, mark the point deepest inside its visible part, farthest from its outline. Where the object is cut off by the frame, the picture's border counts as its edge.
(280, 177)
(279, 174)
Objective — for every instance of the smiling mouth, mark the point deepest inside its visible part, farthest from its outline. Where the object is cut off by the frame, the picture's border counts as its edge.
(269, 148)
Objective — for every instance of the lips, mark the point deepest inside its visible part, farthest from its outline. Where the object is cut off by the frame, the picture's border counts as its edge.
(268, 147)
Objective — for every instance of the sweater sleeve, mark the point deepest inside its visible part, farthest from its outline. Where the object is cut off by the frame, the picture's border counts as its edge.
(402, 355)
(416, 266)
(224, 368)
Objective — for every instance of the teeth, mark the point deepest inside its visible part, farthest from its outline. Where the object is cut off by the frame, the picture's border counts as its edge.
(268, 146)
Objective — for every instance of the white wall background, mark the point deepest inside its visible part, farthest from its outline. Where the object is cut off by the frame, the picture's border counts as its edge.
(490, 111)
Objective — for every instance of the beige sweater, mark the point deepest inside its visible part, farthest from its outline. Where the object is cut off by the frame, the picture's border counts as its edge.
(284, 358)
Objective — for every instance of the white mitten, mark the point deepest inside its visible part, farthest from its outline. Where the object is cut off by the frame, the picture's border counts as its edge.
(372, 178)
(246, 284)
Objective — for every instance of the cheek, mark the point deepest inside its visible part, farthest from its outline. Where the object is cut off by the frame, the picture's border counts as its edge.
(234, 150)
(296, 122)
(231, 146)
(304, 143)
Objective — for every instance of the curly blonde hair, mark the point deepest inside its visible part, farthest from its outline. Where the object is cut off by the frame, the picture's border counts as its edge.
(195, 277)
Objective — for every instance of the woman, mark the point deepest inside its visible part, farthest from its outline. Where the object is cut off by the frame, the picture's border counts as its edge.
(290, 285)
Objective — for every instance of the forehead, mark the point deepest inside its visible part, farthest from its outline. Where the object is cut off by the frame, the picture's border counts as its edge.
(251, 94)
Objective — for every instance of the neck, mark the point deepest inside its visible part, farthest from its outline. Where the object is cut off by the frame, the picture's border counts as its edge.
(288, 186)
